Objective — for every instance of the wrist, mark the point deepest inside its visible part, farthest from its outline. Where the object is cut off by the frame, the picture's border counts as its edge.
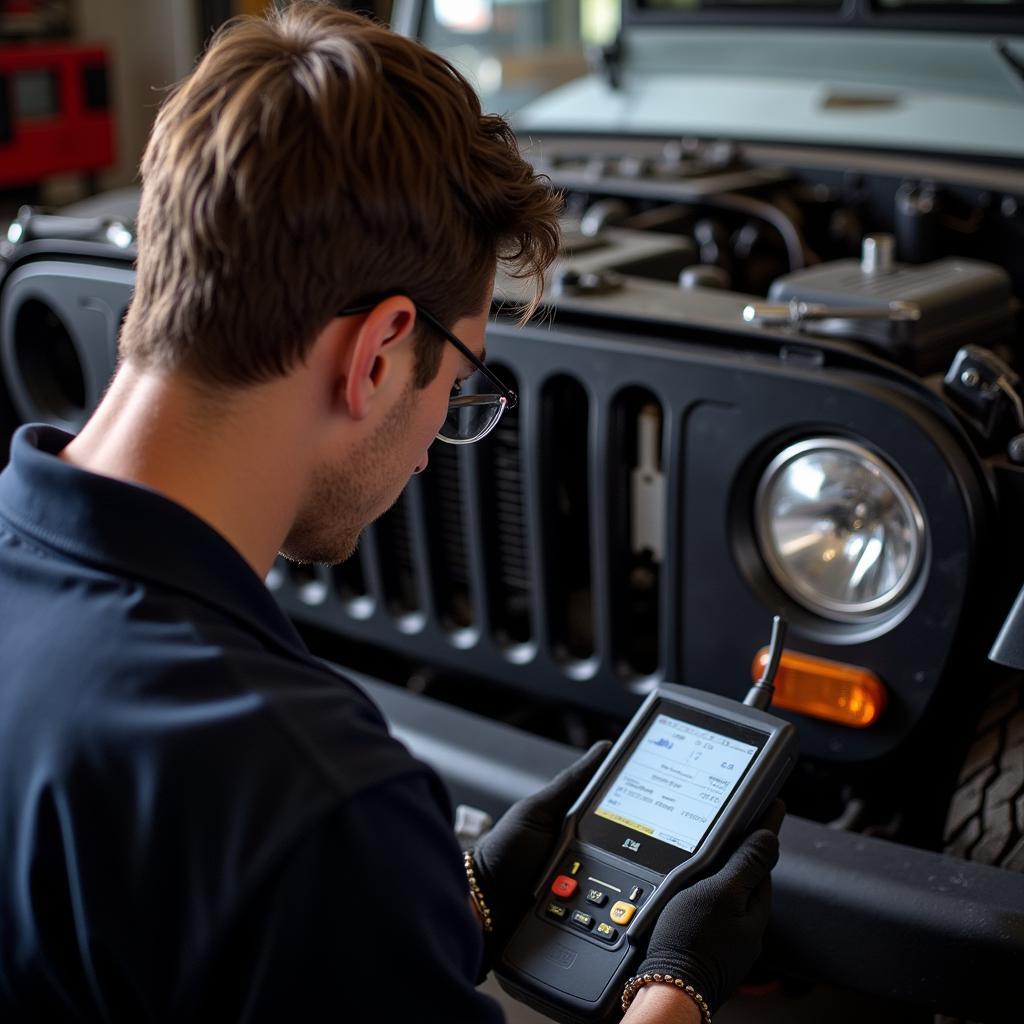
(482, 913)
(692, 969)
(664, 1004)
(658, 981)
(476, 896)
(476, 913)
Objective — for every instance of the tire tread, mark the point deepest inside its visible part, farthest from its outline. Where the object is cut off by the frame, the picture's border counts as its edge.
(985, 822)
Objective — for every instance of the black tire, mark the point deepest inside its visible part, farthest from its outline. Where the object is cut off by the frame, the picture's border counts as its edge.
(985, 822)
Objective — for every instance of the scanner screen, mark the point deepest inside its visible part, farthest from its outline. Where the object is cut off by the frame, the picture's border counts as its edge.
(675, 782)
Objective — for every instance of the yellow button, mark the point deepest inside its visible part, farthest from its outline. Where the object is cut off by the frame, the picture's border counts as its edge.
(622, 912)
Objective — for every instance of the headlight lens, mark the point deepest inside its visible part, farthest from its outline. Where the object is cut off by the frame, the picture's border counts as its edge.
(840, 531)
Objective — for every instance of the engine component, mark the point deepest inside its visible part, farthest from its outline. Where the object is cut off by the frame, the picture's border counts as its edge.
(916, 220)
(568, 281)
(878, 254)
(712, 242)
(795, 312)
(602, 214)
(704, 275)
(958, 299)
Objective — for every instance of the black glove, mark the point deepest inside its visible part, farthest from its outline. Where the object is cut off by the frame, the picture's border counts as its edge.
(710, 934)
(510, 858)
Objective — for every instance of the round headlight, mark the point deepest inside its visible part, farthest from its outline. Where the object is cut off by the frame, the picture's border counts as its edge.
(839, 530)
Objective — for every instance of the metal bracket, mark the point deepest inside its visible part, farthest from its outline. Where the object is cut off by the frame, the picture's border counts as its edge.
(985, 389)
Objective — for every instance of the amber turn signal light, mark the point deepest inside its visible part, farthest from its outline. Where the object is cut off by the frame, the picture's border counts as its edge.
(831, 690)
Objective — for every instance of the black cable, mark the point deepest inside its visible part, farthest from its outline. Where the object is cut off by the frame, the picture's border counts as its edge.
(760, 694)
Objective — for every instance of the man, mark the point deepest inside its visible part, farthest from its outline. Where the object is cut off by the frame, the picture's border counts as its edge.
(200, 821)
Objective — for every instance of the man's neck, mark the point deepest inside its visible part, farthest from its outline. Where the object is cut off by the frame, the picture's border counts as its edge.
(232, 464)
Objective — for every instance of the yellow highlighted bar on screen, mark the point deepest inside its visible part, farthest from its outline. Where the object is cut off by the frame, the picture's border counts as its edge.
(620, 820)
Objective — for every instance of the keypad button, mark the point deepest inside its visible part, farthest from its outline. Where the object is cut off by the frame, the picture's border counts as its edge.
(598, 898)
(563, 886)
(575, 868)
(557, 910)
(605, 931)
(582, 920)
(622, 912)
(635, 893)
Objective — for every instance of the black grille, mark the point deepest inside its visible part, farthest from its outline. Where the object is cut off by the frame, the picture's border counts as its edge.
(601, 537)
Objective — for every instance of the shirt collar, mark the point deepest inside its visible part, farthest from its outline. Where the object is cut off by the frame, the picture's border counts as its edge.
(131, 531)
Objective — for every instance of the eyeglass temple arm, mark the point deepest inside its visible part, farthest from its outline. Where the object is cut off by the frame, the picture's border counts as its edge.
(506, 393)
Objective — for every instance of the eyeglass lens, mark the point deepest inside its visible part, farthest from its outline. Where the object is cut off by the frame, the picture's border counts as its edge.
(471, 417)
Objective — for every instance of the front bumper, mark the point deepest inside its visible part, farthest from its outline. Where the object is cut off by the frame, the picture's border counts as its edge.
(849, 910)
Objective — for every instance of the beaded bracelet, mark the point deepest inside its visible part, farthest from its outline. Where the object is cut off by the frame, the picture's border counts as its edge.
(475, 894)
(636, 983)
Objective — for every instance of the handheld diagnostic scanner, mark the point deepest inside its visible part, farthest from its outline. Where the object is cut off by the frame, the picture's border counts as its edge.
(685, 782)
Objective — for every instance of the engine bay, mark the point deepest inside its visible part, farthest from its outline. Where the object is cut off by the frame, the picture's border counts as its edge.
(909, 259)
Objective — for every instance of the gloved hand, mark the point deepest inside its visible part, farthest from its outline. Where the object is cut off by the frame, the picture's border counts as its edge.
(710, 934)
(510, 858)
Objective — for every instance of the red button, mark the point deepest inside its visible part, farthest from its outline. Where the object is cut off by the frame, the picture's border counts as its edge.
(563, 886)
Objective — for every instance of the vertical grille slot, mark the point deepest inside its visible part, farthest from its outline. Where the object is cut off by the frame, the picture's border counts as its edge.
(637, 530)
(397, 564)
(564, 433)
(350, 585)
(446, 538)
(349, 579)
(503, 525)
(309, 581)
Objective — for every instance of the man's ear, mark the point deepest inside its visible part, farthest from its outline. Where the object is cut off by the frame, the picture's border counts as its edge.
(368, 360)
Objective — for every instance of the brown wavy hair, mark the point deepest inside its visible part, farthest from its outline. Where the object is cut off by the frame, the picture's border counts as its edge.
(312, 160)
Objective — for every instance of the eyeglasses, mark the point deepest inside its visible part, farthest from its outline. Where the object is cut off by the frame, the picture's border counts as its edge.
(470, 417)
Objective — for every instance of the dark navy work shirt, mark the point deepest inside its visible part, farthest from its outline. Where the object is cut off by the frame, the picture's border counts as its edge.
(198, 821)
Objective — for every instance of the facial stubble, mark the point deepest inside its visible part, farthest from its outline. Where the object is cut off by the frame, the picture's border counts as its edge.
(342, 500)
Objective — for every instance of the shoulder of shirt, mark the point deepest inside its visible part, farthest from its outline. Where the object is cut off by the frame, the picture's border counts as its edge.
(331, 724)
